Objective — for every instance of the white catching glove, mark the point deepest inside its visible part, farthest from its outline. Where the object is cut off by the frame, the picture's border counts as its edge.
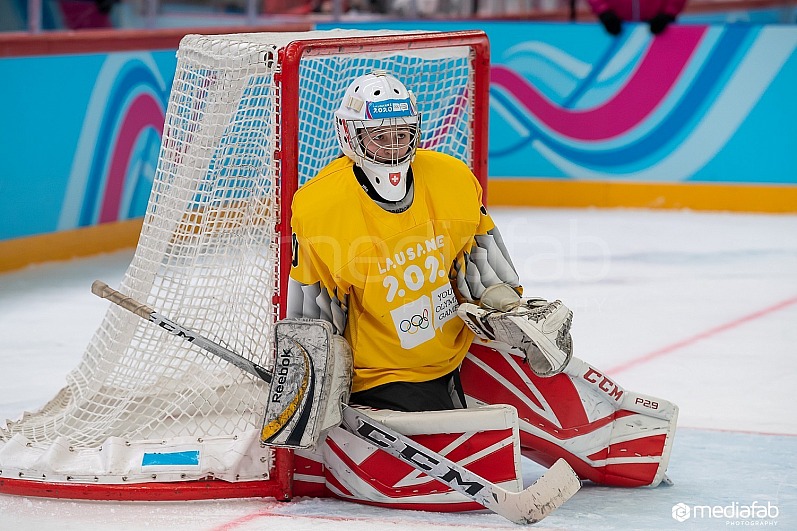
(538, 327)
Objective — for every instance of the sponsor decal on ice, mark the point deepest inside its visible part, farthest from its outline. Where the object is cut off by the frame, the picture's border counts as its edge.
(734, 514)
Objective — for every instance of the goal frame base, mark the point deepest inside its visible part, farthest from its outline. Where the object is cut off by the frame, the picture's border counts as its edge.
(278, 486)
(209, 489)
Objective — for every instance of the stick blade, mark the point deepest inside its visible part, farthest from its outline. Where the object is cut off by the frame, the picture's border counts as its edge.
(548, 493)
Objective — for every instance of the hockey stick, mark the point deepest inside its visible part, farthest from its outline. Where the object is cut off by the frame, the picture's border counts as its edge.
(104, 291)
(531, 505)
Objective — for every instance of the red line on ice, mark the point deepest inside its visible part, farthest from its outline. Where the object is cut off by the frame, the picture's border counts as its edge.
(702, 335)
(243, 520)
(744, 432)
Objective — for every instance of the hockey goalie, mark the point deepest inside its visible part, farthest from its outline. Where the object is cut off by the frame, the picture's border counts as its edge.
(393, 249)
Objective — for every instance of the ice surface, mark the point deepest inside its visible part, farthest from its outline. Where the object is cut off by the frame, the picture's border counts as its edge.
(697, 308)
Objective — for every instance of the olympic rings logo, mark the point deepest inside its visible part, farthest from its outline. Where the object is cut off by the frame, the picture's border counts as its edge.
(415, 323)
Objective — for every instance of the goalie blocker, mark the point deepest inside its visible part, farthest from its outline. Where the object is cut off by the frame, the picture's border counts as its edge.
(311, 381)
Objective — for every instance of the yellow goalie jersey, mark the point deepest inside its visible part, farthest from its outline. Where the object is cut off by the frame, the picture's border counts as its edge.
(393, 269)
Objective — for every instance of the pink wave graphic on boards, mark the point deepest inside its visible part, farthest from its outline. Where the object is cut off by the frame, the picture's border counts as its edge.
(655, 75)
(145, 111)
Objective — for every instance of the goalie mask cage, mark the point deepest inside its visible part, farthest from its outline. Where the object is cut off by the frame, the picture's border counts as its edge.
(149, 416)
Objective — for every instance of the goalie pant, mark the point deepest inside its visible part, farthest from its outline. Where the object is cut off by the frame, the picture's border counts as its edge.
(621, 438)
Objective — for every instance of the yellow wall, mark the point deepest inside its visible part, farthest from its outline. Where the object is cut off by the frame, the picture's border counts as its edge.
(107, 237)
(702, 196)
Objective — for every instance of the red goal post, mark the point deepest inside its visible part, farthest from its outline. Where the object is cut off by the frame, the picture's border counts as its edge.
(291, 58)
(145, 417)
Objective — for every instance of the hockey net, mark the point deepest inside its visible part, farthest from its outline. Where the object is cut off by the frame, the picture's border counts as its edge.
(250, 118)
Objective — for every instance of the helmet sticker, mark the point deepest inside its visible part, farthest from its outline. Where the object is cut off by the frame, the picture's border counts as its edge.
(388, 109)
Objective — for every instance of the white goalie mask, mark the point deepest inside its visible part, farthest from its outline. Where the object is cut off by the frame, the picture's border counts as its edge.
(378, 127)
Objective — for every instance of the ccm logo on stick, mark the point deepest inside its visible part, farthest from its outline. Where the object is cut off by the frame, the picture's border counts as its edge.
(428, 463)
(173, 328)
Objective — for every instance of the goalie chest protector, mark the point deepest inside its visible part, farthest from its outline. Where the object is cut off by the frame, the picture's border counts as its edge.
(394, 267)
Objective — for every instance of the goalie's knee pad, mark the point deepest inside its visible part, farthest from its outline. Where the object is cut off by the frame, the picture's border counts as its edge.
(484, 440)
(609, 435)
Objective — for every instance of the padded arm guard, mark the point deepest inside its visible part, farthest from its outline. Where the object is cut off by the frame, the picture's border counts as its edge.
(539, 328)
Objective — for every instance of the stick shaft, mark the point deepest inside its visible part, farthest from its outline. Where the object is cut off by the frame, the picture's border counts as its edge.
(104, 291)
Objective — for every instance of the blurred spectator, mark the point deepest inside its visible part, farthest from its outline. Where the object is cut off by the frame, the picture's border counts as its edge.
(658, 13)
(82, 14)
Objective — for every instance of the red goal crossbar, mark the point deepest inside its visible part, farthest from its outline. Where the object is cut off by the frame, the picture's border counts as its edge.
(290, 58)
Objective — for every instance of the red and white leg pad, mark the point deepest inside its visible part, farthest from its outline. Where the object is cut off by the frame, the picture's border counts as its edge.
(485, 440)
(609, 435)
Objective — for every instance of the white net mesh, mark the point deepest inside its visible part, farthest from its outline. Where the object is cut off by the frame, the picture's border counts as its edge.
(209, 248)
